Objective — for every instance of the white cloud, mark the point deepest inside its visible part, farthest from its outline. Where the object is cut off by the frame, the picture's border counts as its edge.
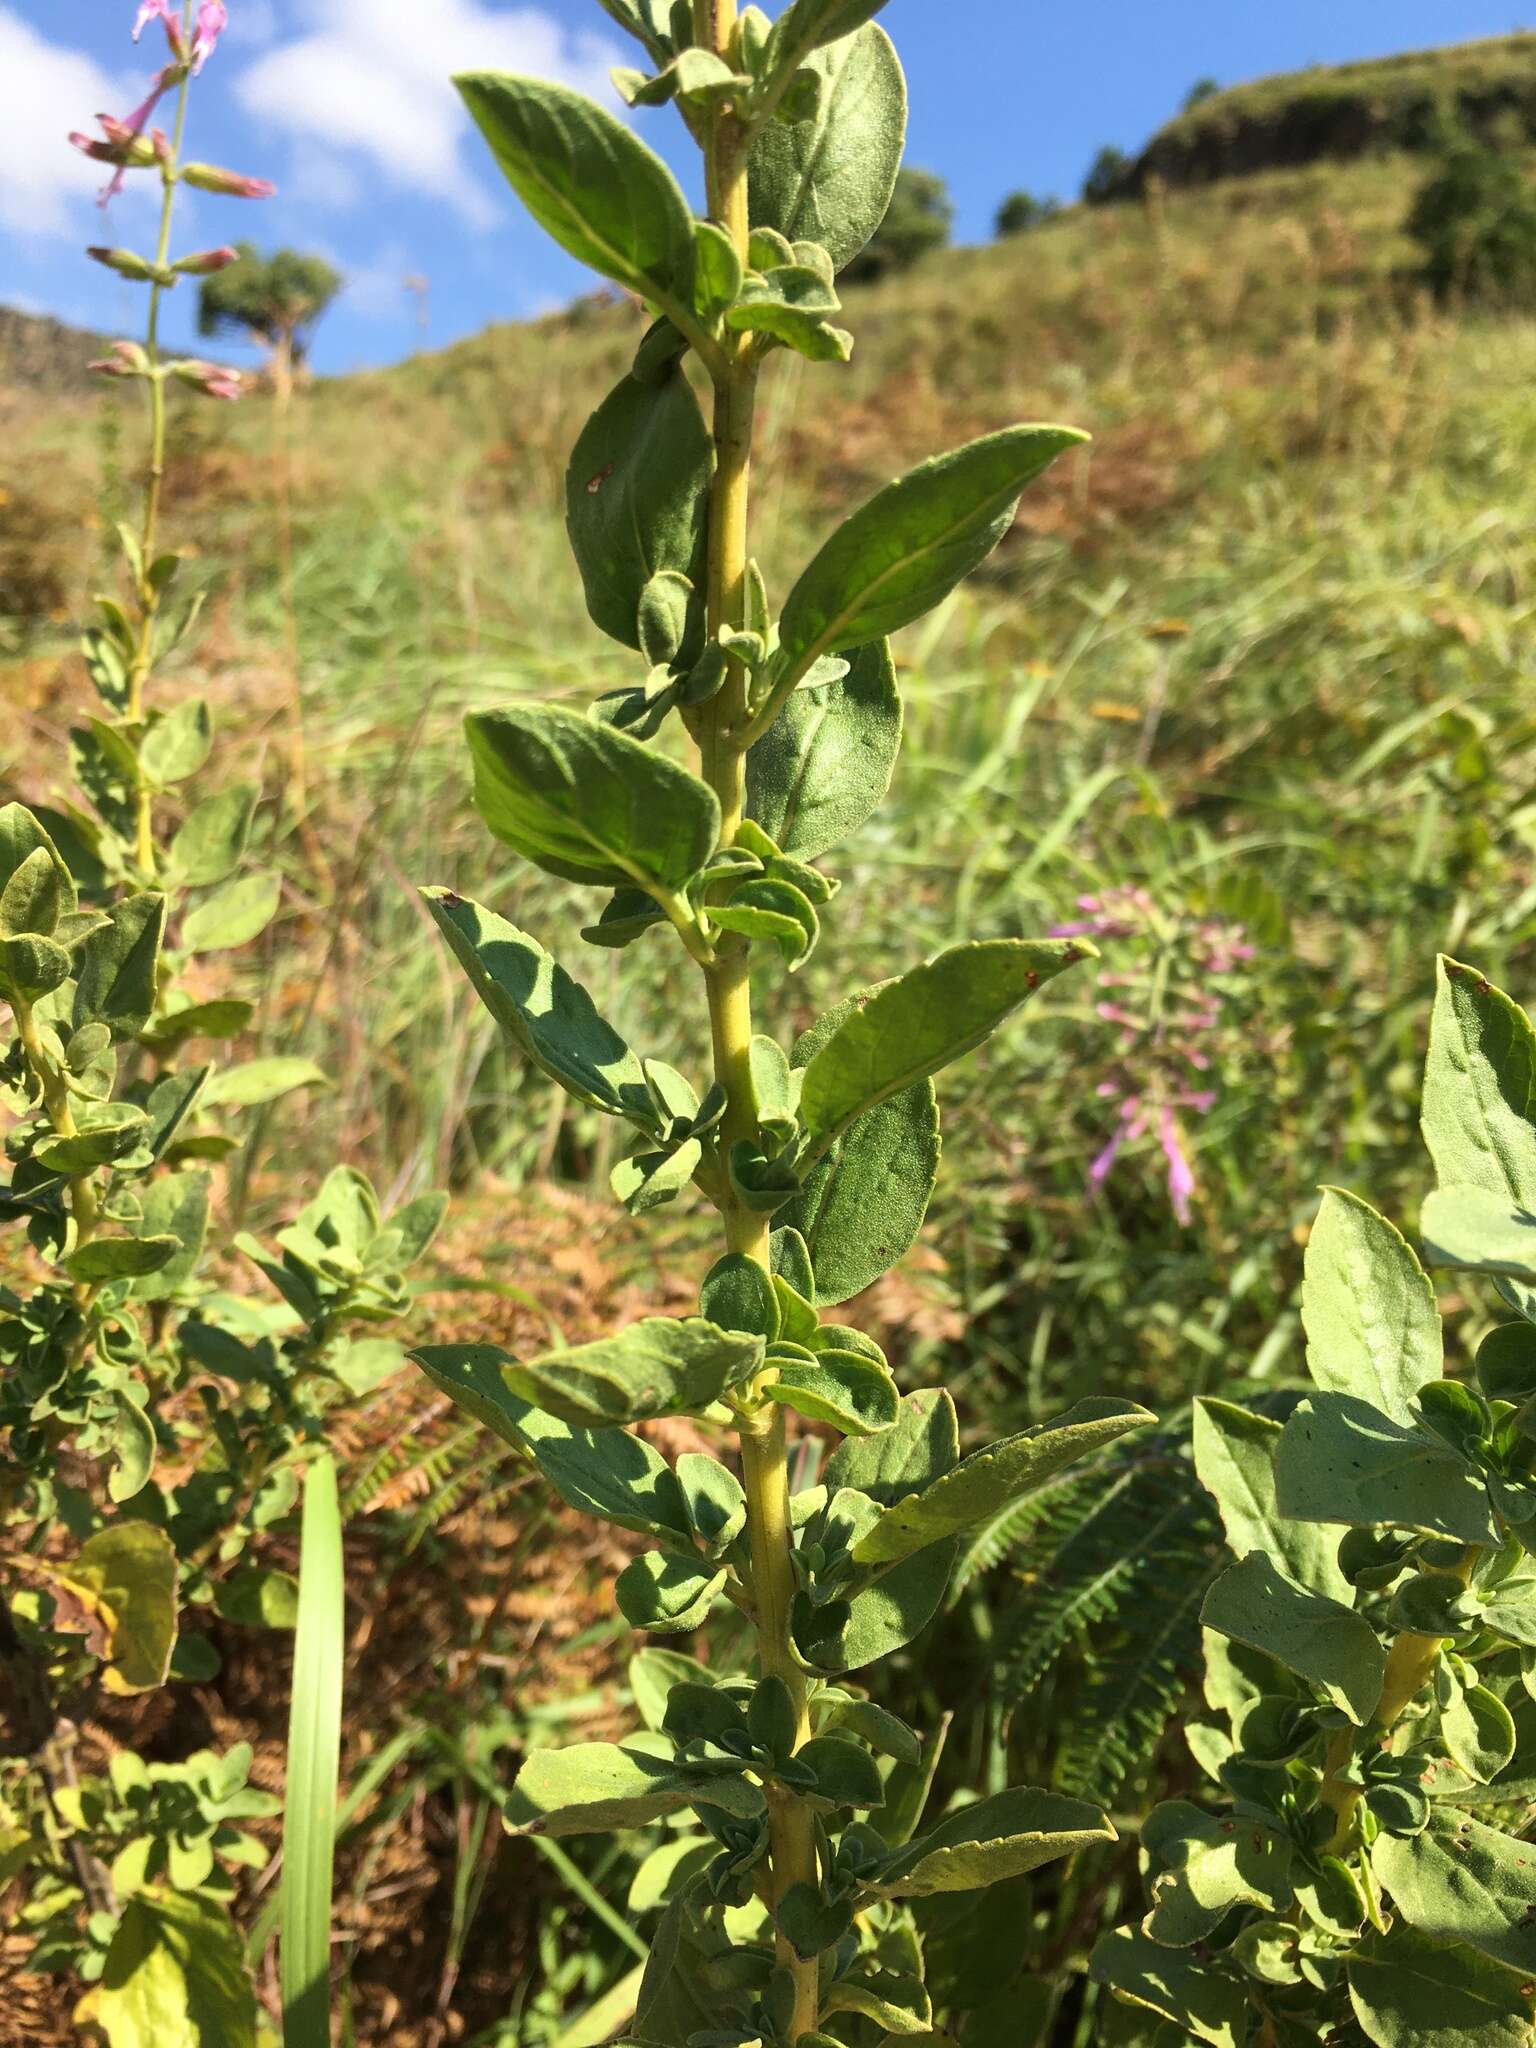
(49, 90)
(374, 77)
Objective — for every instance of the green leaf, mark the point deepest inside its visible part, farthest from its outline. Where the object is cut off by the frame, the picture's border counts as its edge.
(921, 1447)
(173, 1205)
(21, 836)
(1320, 1639)
(233, 915)
(548, 1017)
(916, 1025)
(174, 1977)
(862, 1205)
(825, 764)
(1341, 1460)
(37, 895)
(176, 744)
(1461, 1881)
(598, 1472)
(125, 1575)
(851, 1392)
(666, 1592)
(104, 1259)
(810, 1923)
(1206, 1866)
(1235, 1460)
(1478, 1731)
(829, 177)
(1409, 1992)
(1203, 2000)
(210, 845)
(975, 1489)
(903, 552)
(791, 304)
(314, 1760)
(891, 1613)
(994, 1839)
(659, 1366)
(738, 1295)
(1480, 1232)
(807, 24)
(115, 971)
(1372, 1326)
(1480, 1087)
(587, 803)
(256, 1596)
(637, 497)
(604, 197)
(595, 1787)
(765, 908)
(254, 1082)
(717, 1507)
(845, 1774)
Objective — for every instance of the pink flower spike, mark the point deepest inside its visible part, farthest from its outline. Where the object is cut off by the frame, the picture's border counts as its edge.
(1098, 1173)
(1181, 1179)
(212, 20)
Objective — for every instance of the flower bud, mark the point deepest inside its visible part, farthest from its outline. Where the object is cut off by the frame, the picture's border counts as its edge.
(206, 262)
(120, 145)
(126, 360)
(126, 262)
(232, 184)
(211, 380)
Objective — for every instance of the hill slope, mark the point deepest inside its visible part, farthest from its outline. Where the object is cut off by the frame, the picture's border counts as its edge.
(1341, 112)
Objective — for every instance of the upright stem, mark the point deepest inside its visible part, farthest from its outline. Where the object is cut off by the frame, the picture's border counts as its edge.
(722, 750)
(154, 477)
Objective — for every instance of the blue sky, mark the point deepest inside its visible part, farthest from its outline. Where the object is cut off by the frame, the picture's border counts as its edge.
(344, 103)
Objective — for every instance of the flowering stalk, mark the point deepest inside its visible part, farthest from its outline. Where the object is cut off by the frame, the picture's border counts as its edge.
(192, 33)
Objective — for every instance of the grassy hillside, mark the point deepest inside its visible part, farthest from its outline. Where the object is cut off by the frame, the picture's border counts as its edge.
(1229, 643)
(1339, 112)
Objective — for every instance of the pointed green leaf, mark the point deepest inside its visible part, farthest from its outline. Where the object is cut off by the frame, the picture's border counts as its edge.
(1480, 1087)
(1340, 1460)
(916, 1025)
(1235, 1459)
(595, 1787)
(209, 846)
(234, 914)
(598, 1472)
(115, 970)
(1320, 1639)
(1372, 1326)
(903, 552)
(605, 198)
(637, 497)
(549, 1018)
(825, 764)
(587, 803)
(975, 1489)
(1478, 1731)
(829, 177)
(177, 743)
(862, 1205)
(990, 1841)
(659, 1366)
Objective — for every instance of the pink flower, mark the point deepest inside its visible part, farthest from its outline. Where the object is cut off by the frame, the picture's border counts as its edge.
(212, 380)
(125, 144)
(206, 261)
(1181, 1179)
(166, 12)
(212, 20)
(232, 184)
(127, 359)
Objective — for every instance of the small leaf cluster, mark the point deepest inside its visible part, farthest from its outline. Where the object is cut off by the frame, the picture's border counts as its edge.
(1366, 1876)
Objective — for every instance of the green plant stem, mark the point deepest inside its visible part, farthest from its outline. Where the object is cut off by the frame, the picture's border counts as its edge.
(148, 592)
(722, 750)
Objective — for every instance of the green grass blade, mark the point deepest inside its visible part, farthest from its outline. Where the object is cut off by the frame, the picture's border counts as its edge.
(314, 1750)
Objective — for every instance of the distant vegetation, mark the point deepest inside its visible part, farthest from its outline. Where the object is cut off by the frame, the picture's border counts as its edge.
(276, 300)
(1475, 220)
(1021, 211)
(1338, 112)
